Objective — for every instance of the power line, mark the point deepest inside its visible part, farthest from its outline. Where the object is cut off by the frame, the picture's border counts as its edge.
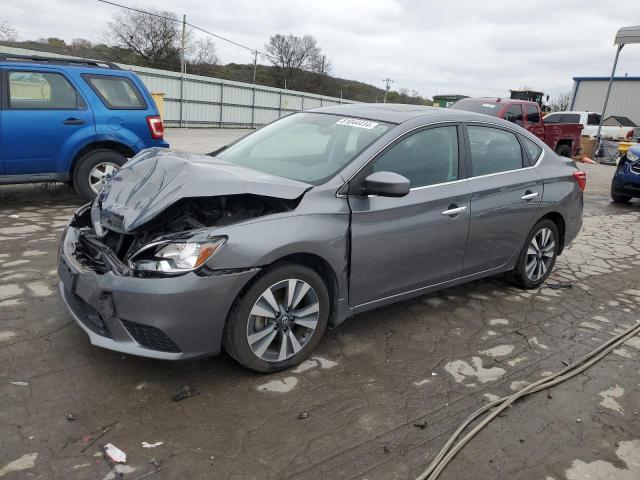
(252, 50)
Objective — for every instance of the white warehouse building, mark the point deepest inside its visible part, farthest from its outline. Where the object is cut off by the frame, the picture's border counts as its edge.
(588, 94)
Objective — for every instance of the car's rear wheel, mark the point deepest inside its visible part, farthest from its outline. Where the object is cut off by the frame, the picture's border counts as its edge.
(563, 150)
(538, 255)
(279, 319)
(94, 169)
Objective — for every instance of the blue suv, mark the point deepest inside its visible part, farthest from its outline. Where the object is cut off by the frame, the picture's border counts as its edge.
(626, 181)
(71, 121)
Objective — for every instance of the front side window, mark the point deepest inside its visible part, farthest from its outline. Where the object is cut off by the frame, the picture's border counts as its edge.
(40, 91)
(425, 158)
(493, 150)
(514, 114)
(533, 114)
(310, 147)
(117, 93)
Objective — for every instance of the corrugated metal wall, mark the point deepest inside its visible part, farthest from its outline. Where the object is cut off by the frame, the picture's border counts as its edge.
(624, 99)
(213, 102)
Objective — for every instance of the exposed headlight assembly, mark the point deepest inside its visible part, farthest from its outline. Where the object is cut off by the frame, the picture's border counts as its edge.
(632, 157)
(175, 257)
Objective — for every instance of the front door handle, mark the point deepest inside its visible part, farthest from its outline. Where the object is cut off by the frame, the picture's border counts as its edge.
(529, 195)
(454, 210)
(73, 121)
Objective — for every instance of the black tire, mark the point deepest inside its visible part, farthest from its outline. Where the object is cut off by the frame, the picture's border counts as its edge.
(86, 163)
(521, 278)
(616, 197)
(235, 339)
(564, 151)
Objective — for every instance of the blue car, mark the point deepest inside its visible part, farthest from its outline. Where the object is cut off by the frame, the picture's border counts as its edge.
(75, 121)
(626, 181)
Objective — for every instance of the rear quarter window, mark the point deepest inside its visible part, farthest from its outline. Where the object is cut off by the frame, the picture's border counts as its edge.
(117, 93)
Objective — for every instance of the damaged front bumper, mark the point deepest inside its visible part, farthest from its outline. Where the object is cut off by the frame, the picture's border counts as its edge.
(166, 318)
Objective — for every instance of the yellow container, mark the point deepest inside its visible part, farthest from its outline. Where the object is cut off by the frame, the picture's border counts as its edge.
(624, 146)
(158, 97)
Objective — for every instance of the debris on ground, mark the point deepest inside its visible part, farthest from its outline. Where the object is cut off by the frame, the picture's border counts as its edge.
(558, 286)
(13, 215)
(420, 425)
(151, 445)
(303, 415)
(20, 384)
(114, 453)
(185, 392)
(97, 435)
(71, 417)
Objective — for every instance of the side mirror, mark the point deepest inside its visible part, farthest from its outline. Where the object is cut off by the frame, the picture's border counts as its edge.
(386, 184)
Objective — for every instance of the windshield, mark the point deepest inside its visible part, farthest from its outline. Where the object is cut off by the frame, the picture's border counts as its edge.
(310, 147)
(487, 107)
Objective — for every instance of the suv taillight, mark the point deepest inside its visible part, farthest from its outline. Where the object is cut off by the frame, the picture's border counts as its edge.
(156, 128)
(581, 178)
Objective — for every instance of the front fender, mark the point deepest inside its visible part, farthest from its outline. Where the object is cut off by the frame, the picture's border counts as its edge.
(261, 243)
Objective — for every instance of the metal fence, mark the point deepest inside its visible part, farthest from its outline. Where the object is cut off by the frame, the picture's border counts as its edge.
(199, 101)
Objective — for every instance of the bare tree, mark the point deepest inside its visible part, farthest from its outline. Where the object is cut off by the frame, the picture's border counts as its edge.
(320, 65)
(560, 102)
(156, 38)
(290, 54)
(8, 33)
(202, 52)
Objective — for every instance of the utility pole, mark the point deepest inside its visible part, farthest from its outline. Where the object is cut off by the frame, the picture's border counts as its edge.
(387, 81)
(255, 65)
(183, 68)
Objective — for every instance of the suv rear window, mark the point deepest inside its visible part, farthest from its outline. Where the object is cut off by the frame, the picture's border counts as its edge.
(117, 93)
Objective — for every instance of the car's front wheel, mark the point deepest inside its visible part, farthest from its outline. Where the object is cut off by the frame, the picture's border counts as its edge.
(279, 319)
(94, 169)
(538, 255)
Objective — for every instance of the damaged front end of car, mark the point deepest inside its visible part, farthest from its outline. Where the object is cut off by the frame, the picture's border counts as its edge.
(158, 216)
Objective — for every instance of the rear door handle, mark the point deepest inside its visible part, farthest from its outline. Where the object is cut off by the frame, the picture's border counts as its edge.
(73, 121)
(454, 210)
(529, 195)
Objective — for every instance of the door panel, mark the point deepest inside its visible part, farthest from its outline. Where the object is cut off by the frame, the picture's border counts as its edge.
(42, 112)
(400, 244)
(504, 204)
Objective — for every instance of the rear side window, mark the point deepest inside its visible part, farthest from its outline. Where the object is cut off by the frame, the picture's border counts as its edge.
(533, 114)
(593, 119)
(562, 118)
(493, 151)
(533, 149)
(117, 93)
(40, 91)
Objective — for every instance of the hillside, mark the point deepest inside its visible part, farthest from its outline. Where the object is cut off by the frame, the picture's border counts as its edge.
(265, 74)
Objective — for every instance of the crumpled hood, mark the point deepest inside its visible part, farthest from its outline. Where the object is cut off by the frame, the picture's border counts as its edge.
(158, 177)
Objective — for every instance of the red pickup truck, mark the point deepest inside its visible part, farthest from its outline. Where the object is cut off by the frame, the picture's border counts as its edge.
(564, 138)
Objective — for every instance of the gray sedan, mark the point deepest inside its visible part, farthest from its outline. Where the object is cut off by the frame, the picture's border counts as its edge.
(313, 218)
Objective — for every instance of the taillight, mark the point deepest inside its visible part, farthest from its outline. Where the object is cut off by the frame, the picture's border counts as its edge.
(581, 178)
(156, 128)
(629, 135)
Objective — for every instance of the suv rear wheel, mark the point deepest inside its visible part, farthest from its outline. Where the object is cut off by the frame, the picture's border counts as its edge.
(94, 169)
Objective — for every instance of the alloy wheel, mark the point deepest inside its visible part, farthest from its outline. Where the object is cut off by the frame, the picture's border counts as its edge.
(282, 320)
(540, 254)
(100, 174)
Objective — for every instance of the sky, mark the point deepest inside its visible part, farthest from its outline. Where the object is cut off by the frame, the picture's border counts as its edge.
(476, 48)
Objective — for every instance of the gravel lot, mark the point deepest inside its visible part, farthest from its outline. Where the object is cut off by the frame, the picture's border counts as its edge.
(382, 394)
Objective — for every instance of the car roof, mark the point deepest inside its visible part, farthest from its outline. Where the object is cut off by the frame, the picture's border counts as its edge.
(400, 113)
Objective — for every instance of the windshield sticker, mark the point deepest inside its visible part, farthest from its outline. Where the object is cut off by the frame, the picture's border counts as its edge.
(356, 122)
(488, 105)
